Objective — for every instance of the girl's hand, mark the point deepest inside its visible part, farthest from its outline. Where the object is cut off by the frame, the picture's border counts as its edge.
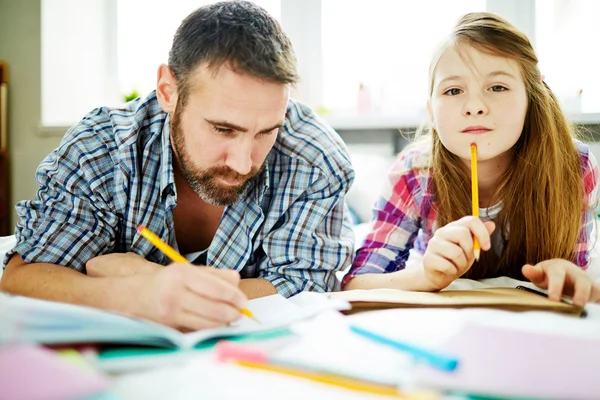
(450, 253)
(563, 277)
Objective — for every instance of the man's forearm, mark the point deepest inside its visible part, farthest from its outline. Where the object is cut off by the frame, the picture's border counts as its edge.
(129, 264)
(57, 283)
(120, 264)
(256, 287)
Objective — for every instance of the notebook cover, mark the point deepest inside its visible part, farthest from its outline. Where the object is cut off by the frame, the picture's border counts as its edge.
(502, 298)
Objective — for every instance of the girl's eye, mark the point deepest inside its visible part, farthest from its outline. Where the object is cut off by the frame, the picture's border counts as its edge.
(498, 88)
(452, 92)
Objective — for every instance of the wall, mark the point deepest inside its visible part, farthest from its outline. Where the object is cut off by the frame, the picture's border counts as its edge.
(20, 46)
(20, 38)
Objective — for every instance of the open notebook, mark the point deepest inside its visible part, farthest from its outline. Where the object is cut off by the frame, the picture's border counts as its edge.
(47, 322)
(515, 299)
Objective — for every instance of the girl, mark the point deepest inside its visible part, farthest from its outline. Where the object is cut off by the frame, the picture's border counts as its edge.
(537, 185)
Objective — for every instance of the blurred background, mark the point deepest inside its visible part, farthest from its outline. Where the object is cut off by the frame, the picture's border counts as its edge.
(363, 65)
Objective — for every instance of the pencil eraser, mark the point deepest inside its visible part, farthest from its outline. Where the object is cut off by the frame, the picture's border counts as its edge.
(231, 351)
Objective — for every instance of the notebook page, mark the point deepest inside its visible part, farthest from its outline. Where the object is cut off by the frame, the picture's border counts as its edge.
(326, 344)
(205, 378)
(273, 312)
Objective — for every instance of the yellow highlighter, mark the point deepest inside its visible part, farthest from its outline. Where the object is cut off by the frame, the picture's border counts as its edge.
(175, 256)
(258, 358)
(475, 196)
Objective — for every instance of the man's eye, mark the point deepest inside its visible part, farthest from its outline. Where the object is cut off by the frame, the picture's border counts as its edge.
(222, 130)
(271, 132)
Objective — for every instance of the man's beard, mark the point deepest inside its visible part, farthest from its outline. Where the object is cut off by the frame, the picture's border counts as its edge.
(204, 181)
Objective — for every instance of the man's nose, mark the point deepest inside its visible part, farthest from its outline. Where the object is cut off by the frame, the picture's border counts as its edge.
(239, 156)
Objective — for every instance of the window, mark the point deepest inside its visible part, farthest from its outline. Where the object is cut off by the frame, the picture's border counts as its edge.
(76, 59)
(95, 52)
(383, 46)
(567, 33)
(140, 56)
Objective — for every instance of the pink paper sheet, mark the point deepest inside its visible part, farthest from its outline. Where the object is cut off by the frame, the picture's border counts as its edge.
(515, 363)
(35, 373)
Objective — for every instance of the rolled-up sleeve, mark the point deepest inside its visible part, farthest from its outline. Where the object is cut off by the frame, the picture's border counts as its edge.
(585, 240)
(70, 219)
(398, 215)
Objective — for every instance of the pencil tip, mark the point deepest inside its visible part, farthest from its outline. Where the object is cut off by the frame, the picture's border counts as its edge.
(477, 253)
(249, 314)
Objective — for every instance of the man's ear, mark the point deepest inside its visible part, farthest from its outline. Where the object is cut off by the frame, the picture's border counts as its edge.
(166, 88)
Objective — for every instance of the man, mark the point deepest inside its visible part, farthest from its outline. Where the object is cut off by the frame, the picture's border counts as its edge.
(218, 162)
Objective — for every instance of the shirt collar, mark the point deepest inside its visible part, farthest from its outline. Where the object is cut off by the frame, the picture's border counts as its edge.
(167, 177)
(262, 184)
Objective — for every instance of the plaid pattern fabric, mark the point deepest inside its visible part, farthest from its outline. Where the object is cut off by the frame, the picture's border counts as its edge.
(114, 171)
(404, 215)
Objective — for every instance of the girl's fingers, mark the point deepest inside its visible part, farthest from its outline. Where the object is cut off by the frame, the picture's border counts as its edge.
(582, 291)
(595, 292)
(451, 252)
(458, 235)
(536, 275)
(490, 226)
(563, 277)
(440, 268)
(556, 281)
(478, 229)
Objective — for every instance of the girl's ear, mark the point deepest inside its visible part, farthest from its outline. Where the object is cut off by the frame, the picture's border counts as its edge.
(430, 115)
(166, 88)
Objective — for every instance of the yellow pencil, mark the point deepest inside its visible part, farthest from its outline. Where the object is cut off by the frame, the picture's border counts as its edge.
(329, 379)
(475, 196)
(175, 256)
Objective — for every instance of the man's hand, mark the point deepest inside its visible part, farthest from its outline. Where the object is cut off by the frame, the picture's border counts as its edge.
(119, 264)
(190, 298)
(563, 277)
(450, 252)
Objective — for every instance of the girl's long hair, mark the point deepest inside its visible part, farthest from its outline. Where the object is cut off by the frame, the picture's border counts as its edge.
(542, 190)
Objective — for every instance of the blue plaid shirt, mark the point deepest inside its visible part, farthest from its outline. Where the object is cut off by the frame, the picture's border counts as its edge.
(114, 171)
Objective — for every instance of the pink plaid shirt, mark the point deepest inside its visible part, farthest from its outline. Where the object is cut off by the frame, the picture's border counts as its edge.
(404, 217)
